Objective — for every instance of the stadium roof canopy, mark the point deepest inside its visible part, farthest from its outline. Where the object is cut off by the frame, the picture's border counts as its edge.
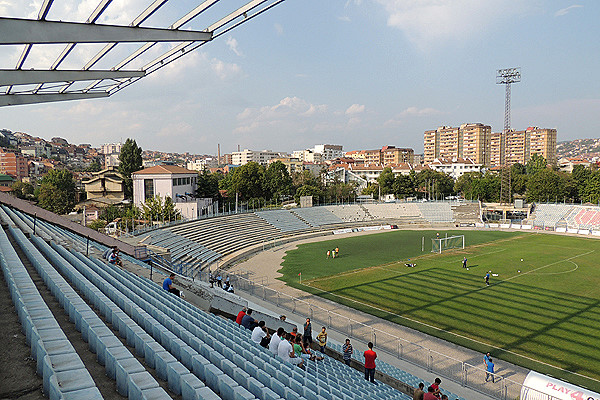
(54, 59)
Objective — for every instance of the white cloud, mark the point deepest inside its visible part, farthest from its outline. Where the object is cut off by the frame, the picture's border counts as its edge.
(233, 45)
(565, 11)
(355, 109)
(419, 112)
(225, 71)
(427, 22)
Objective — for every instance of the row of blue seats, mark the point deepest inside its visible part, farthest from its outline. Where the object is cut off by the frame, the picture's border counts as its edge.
(112, 304)
(234, 346)
(283, 220)
(63, 373)
(132, 378)
(182, 248)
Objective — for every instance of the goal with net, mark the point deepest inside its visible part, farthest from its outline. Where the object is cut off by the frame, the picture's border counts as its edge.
(451, 242)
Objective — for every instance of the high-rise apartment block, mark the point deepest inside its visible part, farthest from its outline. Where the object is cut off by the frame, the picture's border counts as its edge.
(246, 156)
(467, 141)
(478, 143)
(13, 163)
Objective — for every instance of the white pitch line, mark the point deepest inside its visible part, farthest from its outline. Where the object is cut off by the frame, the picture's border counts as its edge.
(560, 273)
(547, 265)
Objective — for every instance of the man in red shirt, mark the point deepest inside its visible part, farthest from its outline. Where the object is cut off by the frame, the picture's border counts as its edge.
(429, 395)
(240, 315)
(370, 357)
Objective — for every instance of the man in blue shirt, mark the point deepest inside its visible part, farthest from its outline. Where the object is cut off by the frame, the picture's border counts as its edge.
(489, 370)
(487, 279)
(168, 286)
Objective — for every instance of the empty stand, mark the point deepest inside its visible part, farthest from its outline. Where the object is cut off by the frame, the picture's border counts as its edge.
(436, 212)
(283, 220)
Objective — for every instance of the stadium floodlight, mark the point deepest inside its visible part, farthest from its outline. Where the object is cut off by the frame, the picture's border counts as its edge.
(438, 245)
(507, 77)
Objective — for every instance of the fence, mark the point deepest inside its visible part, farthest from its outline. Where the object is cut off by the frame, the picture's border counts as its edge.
(468, 375)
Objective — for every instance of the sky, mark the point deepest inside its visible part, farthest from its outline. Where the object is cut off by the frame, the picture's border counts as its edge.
(360, 73)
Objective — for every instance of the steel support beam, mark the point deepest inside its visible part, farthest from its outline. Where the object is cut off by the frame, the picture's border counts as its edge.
(26, 77)
(21, 99)
(28, 31)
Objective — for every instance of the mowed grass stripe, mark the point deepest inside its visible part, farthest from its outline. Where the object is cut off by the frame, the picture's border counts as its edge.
(550, 318)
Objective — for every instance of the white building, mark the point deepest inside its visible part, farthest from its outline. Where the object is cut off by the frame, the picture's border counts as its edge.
(308, 155)
(111, 154)
(329, 151)
(169, 181)
(456, 167)
(202, 164)
(246, 156)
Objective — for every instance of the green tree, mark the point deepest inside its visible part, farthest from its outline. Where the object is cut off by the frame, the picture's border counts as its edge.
(248, 181)
(308, 190)
(277, 180)
(155, 209)
(97, 224)
(466, 185)
(386, 181)
(372, 189)
(580, 175)
(488, 188)
(306, 177)
(404, 186)
(57, 191)
(544, 186)
(592, 188)
(130, 161)
(208, 184)
(95, 166)
(435, 184)
(536, 163)
(22, 190)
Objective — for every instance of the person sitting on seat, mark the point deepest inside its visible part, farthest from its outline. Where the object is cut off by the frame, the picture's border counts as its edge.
(114, 257)
(275, 340)
(260, 334)
(168, 286)
(248, 321)
(286, 351)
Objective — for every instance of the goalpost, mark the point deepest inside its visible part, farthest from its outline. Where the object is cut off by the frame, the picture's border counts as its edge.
(447, 243)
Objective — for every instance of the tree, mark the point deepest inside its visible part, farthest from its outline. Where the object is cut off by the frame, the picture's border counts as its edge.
(580, 175)
(277, 180)
(130, 161)
(592, 188)
(466, 185)
(57, 191)
(536, 163)
(544, 186)
(208, 185)
(435, 184)
(404, 186)
(154, 209)
(247, 180)
(386, 181)
(308, 190)
(22, 190)
(372, 189)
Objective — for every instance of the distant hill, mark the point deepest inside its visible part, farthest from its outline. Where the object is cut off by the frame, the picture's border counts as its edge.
(586, 148)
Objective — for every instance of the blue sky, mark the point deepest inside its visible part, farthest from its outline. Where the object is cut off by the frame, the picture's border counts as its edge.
(362, 73)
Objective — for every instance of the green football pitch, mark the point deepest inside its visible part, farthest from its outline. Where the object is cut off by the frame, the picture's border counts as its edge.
(548, 314)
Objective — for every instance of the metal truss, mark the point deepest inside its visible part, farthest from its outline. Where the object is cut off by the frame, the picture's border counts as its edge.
(22, 85)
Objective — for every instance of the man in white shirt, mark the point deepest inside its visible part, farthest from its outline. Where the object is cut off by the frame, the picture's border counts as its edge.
(259, 333)
(274, 343)
(286, 352)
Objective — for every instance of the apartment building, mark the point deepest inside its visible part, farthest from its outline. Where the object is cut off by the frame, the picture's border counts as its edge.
(14, 164)
(328, 151)
(246, 156)
(477, 143)
(394, 155)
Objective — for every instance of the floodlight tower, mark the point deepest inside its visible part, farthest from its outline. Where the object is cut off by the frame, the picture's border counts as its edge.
(507, 77)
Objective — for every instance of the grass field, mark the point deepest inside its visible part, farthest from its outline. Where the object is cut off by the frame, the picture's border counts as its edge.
(550, 311)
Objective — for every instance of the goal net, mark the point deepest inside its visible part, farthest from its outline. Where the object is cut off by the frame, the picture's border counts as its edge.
(447, 243)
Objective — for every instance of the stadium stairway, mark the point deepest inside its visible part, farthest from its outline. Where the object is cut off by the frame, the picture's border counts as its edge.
(148, 342)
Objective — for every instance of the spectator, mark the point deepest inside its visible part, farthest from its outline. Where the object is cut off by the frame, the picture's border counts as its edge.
(211, 280)
(429, 395)
(489, 370)
(436, 387)
(282, 318)
(307, 335)
(294, 332)
(168, 286)
(230, 289)
(259, 333)
(107, 252)
(299, 350)
(444, 397)
(275, 340)
(419, 392)
(240, 315)
(347, 349)
(247, 321)
(114, 257)
(286, 351)
(370, 357)
(322, 339)
(486, 357)
(219, 280)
